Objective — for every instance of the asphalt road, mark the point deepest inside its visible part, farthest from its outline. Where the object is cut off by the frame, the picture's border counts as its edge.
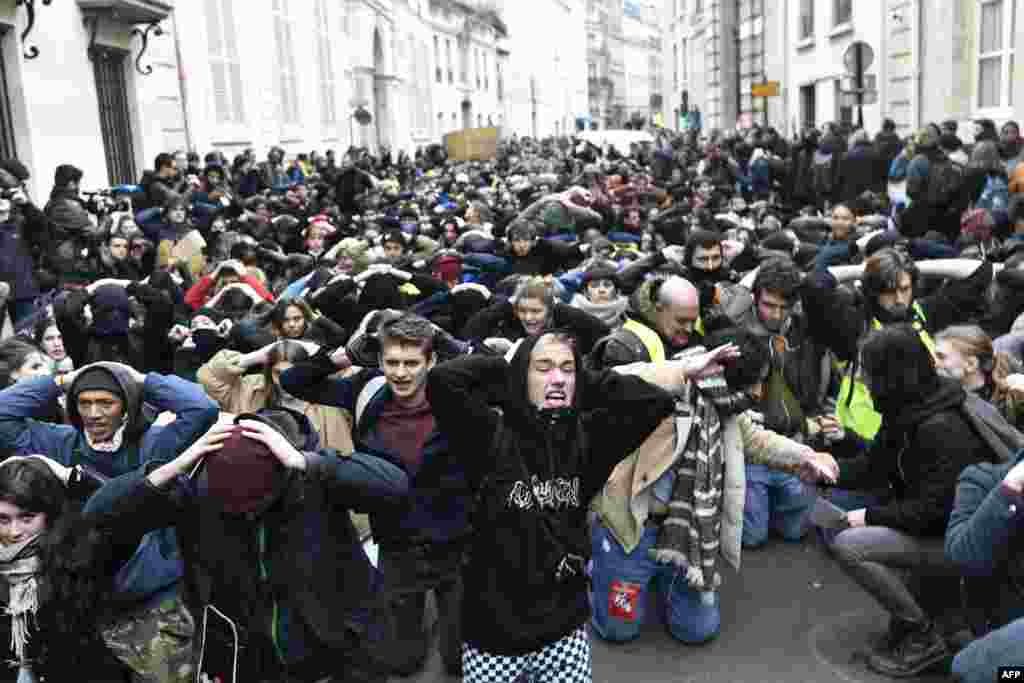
(790, 616)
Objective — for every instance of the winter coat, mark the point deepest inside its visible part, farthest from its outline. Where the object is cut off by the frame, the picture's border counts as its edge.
(624, 503)
(887, 147)
(147, 348)
(859, 172)
(155, 568)
(499, 320)
(276, 575)
(17, 264)
(917, 454)
(985, 538)
(534, 474)
(236, 392)
(437, 508)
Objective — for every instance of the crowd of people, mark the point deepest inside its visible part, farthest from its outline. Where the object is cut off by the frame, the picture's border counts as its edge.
(547, 384)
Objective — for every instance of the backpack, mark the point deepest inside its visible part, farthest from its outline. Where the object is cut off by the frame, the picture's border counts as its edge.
(944, 178)
(996, 195)
(822, 175)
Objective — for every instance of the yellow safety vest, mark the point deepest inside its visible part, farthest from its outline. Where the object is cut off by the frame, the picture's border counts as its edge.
(650, 339)
(858, 413)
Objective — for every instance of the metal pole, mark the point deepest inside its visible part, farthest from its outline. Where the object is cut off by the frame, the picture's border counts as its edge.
(860, 86)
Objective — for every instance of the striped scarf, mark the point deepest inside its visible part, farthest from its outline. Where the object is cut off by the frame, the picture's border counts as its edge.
(690, 535)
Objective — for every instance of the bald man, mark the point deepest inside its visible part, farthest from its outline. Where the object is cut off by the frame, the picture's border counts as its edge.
(661, 322)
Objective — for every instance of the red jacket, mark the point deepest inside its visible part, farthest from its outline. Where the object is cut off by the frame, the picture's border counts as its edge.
(200, 292)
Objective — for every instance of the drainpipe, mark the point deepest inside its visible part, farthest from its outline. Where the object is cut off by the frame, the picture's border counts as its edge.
(182, 90)
(916, 64)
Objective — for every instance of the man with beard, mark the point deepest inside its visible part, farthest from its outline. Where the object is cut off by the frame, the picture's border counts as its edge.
(888, 285)
(795, 390)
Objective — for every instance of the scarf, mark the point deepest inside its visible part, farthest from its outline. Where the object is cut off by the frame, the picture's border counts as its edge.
(19, 565)
(612, 313)
(107, 446)
(689, 537)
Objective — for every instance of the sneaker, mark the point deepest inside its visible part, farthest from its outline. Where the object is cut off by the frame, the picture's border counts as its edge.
(922, 648)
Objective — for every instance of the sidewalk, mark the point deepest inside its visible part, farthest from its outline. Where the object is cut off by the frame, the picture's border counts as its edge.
(789, 617)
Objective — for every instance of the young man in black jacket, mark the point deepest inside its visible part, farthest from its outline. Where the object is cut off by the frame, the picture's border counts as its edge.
(535, 467)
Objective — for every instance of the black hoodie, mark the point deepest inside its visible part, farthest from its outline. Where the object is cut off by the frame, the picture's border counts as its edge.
(513, 604)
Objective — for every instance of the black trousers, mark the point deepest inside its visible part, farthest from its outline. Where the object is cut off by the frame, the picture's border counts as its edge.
(409, 574)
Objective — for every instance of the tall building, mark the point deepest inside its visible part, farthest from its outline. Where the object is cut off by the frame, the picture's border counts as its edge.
(715, 52)
(606, 69)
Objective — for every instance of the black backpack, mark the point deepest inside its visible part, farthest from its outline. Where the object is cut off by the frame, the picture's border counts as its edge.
(944, 180)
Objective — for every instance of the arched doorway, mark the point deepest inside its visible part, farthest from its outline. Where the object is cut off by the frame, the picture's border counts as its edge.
(380, 94)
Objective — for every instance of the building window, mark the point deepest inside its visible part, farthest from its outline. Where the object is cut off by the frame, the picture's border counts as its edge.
(438, 72)
(808, 106)
(8, 149)
(686, 65)
(675, 67)
(995, 54)
(806, 28)
(448, 51)
(844, 113)
(225, 67)
(287, 81)
(325, 59)
(842, 12)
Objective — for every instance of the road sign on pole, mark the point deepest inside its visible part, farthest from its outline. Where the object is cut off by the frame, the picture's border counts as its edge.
(859, 57)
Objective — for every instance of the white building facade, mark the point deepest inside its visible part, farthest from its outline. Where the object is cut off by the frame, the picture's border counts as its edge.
(932, 60)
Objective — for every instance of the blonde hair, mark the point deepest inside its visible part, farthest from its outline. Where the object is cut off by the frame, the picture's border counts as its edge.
(971, 340)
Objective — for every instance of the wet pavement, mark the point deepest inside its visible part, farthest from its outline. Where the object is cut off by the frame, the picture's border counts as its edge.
(790, 616)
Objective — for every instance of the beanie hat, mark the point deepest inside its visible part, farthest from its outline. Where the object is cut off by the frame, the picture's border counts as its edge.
(448, 267)
(96, 379)
(242, 476)
(112, 311)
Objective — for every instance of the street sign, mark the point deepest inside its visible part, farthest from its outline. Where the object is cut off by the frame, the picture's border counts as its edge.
(858, 57)
(766, 89)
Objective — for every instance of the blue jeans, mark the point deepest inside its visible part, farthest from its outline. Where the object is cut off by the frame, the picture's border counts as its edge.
(774, 500)
(619, 585)
(977, 662)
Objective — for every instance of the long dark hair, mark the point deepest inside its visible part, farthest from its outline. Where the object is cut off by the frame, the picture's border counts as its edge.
(898, 366)
(73, 553)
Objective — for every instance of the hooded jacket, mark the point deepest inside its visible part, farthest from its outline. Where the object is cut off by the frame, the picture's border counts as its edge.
(295, 578)
(500, 320)
(917, 454)
(155, 566)
(985, 539)
(524, 458)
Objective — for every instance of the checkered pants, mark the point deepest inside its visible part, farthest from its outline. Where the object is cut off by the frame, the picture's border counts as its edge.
(564, 661)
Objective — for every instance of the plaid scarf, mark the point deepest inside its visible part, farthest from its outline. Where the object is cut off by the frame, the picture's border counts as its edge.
(689, 537)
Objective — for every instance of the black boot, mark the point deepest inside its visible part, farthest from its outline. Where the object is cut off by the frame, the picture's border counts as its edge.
(922, 648)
